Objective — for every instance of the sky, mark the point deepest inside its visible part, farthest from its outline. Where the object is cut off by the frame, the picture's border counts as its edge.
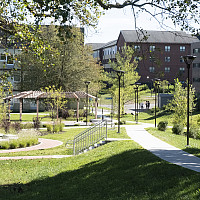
(114, 20)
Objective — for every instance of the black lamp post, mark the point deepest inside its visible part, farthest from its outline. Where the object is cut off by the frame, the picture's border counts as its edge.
(156, 82)
(188, 60)
(136, 88)
(87, 84)
(135, 102)
(119, 74)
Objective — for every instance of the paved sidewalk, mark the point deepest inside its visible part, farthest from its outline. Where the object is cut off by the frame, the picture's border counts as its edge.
(162, 149)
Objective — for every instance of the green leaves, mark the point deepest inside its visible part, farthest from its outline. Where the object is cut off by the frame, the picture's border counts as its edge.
(179, 103)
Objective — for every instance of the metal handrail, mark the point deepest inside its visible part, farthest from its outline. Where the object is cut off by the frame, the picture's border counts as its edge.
(89, 137)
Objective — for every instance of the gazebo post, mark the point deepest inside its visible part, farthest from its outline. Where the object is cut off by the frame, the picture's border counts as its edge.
(20, 108)
(96, 99)
(37, 108)
(77, 110)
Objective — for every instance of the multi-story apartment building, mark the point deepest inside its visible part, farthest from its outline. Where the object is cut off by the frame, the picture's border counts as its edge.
(159, 53)
(195, 49)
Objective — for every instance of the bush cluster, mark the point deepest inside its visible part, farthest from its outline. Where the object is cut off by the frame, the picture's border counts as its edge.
(178, 129)
(55, 128)
(26, 138)
(194, 131)
(162, 125)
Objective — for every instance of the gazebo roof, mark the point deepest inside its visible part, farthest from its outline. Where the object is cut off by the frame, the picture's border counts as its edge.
(40, 94)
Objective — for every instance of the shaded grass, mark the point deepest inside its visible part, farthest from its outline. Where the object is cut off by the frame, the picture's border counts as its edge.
(116, 171)
(178, 141)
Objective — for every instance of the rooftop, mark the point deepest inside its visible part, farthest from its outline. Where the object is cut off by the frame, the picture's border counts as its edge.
(150, 36)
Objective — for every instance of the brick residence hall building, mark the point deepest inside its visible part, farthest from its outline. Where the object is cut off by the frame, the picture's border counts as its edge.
(159, 54)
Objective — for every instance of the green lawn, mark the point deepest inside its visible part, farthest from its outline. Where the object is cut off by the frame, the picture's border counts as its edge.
(178, 141)
(116, 171)
(66, 135)
(28, 117)
(120, 170)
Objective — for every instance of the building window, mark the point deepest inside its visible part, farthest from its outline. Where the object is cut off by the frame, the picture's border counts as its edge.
(167, 48)
(167, 69)
(196, 65)
(137, 58)
(167, 59)
(152, 48)
(181, 59)
(152, 59)
(16, 78)
(9, 59)
(197, 50)
(2, 56)
(152, 69)
(196, 79)
(137, 48)
(182, 69)
(182, 48)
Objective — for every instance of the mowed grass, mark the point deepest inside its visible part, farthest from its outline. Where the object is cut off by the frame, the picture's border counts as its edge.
(119, 170)
(66, 135)
(178, 141)
(28, 117)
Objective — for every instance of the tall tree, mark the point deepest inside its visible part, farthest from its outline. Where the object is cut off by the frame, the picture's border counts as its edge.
(66, 63)
(124, 61)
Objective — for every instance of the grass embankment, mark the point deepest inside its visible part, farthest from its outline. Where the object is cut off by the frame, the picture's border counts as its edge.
(116, 171)
(178, 141)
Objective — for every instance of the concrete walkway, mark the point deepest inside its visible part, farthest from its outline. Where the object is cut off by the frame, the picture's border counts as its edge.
(162, 149)
(139, 135)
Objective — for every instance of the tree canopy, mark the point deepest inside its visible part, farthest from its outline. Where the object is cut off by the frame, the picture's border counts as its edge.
(182, 12)
(124, 61)
(65, 64)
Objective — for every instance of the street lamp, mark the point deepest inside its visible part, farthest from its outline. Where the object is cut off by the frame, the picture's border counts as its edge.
(188, 59)
(87, 84)
(136, 108)
(119, 74)
(156, 82)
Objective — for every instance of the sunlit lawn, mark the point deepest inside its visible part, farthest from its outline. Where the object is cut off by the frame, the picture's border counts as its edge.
(178, 141)
(119, 170)
(66, 135)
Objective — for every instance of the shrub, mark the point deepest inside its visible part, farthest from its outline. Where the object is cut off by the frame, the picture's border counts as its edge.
(194, 132)
(4, 145)
(56, 128)
(61, 126)
(162, 125)
(5, 124)
(36, 123)
(178, 129)
(16, 126)
(71, 113)
(49, 127)
(25, 138)
(13, 144)
(27, 126)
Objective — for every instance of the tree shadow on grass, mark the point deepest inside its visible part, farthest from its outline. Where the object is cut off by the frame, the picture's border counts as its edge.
(158, 115)
(134, 174)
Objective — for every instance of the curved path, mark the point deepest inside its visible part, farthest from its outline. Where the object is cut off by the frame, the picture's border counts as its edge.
(44, 144)
(162, 149)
